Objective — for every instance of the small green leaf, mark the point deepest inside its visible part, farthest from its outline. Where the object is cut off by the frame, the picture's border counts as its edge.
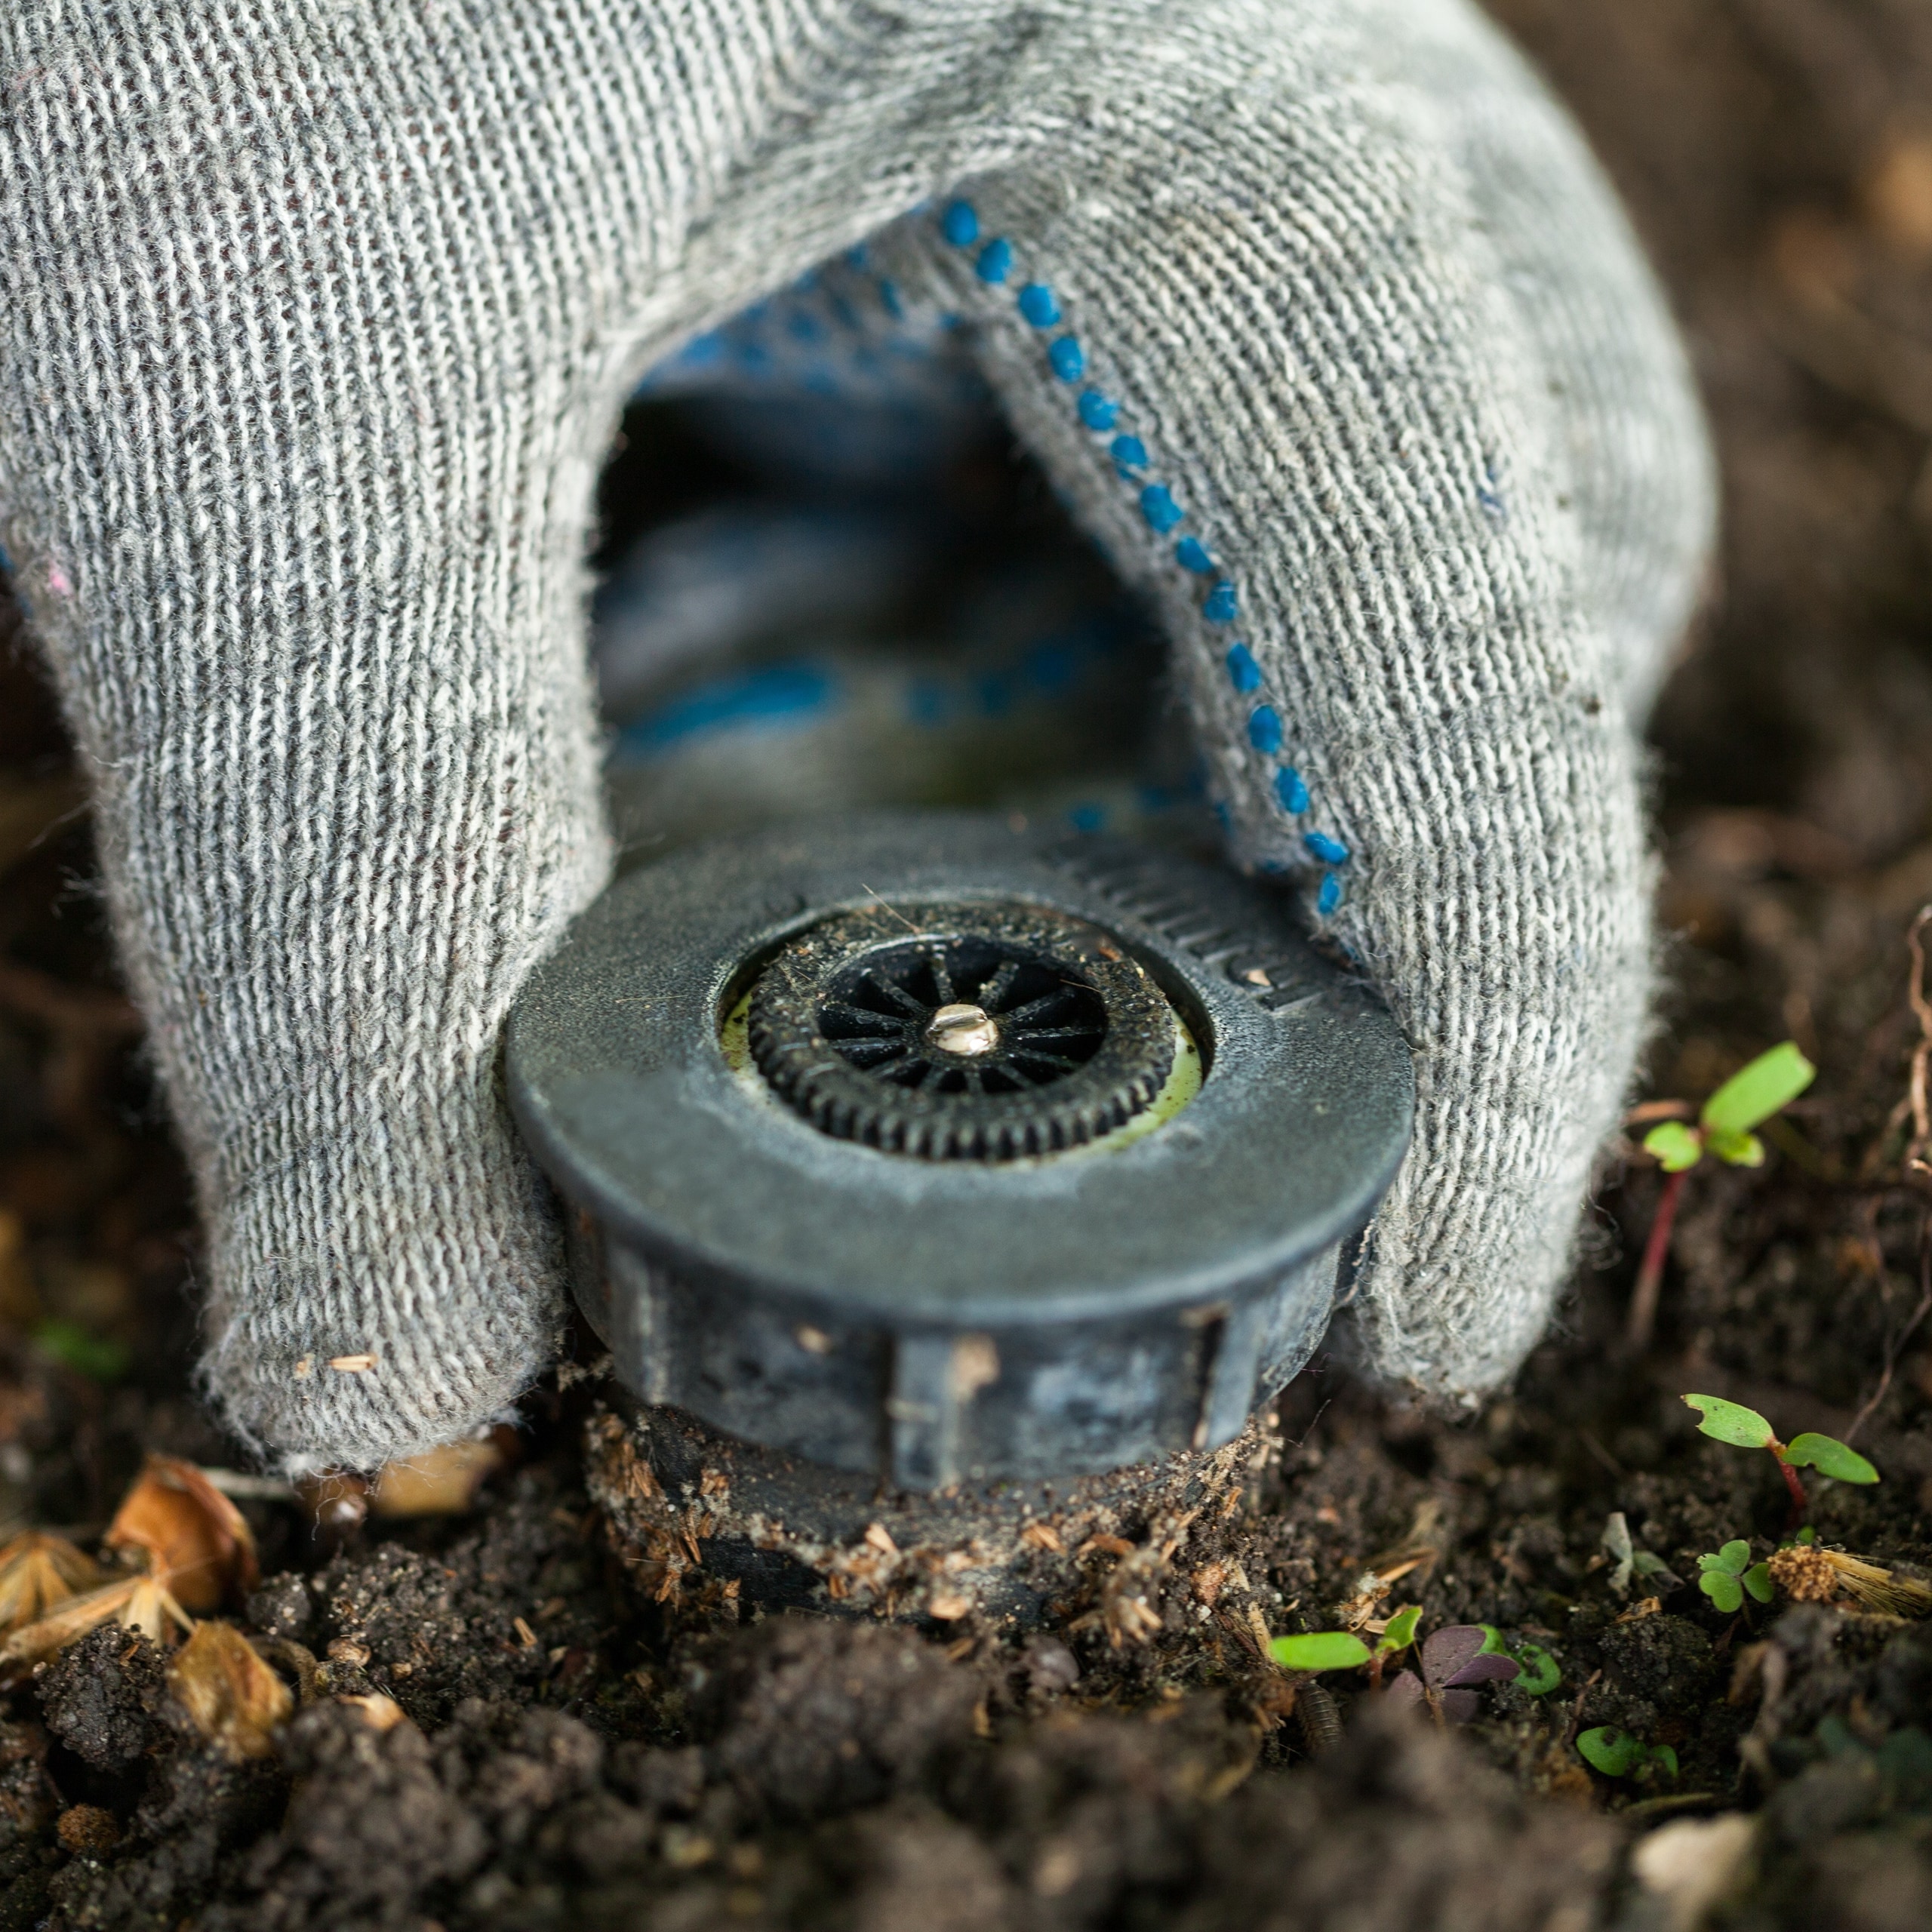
(1537, 1672)
(1323, 1650)
(1661, 1754)
(1400, 1632)
(1757, 1580)
(1615, 1753)
(1723, 1590)
(97, 1356)
(1541, 1672)
(1829, 1457)
(1754, 1092)
(1674, 1146)
(1733, 1560)
(1731, 1422)
(1739, 1150)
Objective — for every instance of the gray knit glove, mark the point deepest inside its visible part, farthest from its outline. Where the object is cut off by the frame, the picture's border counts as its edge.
(314, 324)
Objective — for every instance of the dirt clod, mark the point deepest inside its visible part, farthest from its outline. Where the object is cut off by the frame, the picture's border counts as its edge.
(102, 1698)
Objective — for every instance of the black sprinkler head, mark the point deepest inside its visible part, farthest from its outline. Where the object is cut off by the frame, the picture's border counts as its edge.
(938, 1150)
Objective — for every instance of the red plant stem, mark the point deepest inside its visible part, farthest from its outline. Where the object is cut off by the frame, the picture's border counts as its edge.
(1650, 1276)
(1375, 1661)
(1799, 1503)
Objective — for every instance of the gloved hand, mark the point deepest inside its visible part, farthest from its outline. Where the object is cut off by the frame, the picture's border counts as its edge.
(314, 324)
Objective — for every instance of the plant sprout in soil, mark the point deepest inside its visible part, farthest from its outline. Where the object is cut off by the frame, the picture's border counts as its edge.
(1620, 1754)
(1731, 1422)
(1723, 1130)
(1341, 1650)
(1449, 1665)
(1729, 1575)
(1539, 1672)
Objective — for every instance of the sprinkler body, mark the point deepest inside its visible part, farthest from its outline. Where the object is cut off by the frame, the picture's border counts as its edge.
(954, 1156)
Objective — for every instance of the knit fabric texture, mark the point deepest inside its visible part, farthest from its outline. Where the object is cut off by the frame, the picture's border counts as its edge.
(315, 324)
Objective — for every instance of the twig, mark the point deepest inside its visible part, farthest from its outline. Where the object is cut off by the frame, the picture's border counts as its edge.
(1895, 1347)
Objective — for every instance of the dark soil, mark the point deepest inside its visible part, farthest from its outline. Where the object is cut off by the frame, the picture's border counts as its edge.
(574, 1752)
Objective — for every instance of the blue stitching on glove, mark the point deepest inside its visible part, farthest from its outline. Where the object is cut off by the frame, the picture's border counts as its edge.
(1158, 507)
(1098, 411)
(1037, 304)
(995, 262)
(960, 226)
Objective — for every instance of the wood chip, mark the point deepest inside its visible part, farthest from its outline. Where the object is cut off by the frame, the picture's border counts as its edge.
(525, 1635)
(352, 1364)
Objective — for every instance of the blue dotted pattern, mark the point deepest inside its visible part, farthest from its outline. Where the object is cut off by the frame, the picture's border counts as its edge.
(1039, 307)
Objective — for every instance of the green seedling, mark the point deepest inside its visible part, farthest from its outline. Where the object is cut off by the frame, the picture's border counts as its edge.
(1723, 1130)
(1341, 1650)
(98, 1358)
(1729, 1575)
(1537, 1672)
(1320, 1649)
(1731, 1422)
(1619, 1753)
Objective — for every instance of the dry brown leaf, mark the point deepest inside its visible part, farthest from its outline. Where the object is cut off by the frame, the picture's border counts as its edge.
(37, 1571)
(231, 1697)
(139, 1603)
(439, 1482)
(195, 1541)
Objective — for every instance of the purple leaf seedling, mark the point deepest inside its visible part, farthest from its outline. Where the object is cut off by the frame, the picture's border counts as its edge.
(1453, 1661)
